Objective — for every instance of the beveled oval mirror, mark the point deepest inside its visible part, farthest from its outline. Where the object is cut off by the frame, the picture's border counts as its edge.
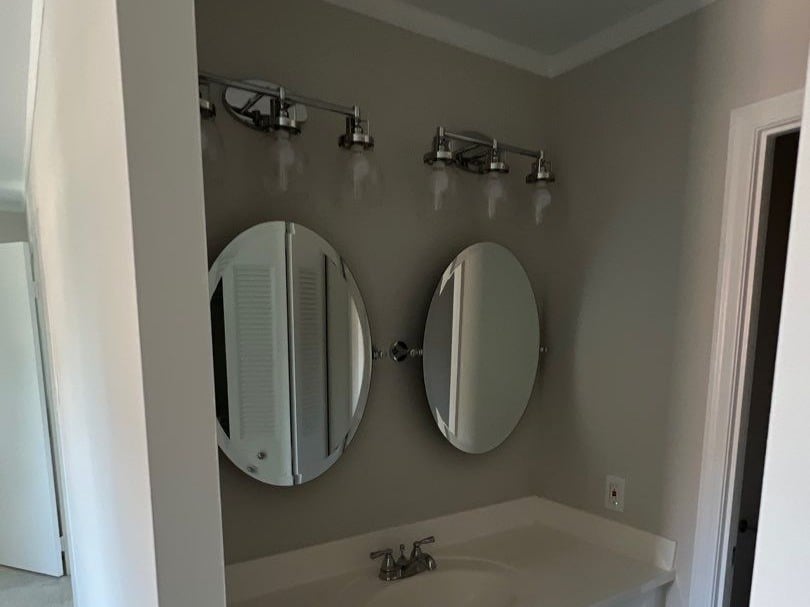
(481, 347)
(292, 353)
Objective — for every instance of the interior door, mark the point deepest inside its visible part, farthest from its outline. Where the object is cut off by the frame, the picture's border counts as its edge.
(29, 521)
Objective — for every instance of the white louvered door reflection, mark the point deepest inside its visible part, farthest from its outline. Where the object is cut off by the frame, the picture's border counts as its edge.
(255, 288)
(307, 313)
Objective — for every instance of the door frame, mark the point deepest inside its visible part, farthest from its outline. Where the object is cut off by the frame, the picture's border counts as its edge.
(752, 131)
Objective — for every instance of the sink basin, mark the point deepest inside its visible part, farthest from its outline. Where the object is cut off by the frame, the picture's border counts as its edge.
(456, 583)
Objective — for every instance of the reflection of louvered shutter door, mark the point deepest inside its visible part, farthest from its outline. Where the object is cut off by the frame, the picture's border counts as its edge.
(258, 355)
(339, 317)
(307, 313)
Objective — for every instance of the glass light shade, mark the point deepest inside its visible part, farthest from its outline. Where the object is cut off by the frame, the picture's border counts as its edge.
(494, 193)
(361, 177)
(286, 163)
(441, 184)
(541, 199)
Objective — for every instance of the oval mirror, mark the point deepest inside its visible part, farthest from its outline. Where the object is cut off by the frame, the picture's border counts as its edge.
(292, 353)
(481, 347)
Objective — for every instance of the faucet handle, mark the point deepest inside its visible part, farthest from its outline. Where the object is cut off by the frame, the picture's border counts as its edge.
(416, 552)
(388, 568)
(384, 552)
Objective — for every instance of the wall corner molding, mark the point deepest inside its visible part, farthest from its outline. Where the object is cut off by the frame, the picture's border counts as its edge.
(425, 23)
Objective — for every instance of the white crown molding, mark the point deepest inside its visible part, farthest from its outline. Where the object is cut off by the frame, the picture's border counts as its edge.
(431, 25)
(425, 23)
(653, 18)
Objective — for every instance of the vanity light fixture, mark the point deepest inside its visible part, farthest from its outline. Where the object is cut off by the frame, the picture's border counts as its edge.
(273, 109)
(281, 102)
(484, 155)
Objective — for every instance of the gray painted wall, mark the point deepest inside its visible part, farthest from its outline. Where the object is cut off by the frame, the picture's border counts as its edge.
(643, 134)
(13, 227)
(625, 264)
(398, 467)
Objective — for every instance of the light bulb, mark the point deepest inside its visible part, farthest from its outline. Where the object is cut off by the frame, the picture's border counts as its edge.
(439, 183)
(541, 199)
(286, 163)
(359, 170)
(361, 179)
(494, 193)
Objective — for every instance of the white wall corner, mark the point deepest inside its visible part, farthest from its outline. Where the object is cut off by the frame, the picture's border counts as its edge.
(169, 242)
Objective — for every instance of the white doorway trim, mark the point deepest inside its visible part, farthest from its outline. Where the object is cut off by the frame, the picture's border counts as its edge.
(753, 127)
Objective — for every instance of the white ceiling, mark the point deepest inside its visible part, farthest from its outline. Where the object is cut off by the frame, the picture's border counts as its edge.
(546, 37)
(16, 97)
(547, 26)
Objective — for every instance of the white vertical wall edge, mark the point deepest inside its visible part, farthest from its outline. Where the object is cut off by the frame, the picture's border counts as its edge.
(783, 540)
(751, 126)
(164, 166)
(37, 10)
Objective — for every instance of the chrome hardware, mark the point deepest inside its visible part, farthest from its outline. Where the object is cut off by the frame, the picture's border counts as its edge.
(286, 109)
(541, 170)
(356, 136)
(399, 351)
(402, 561)
(420, 561)
(404, 567)
(388, 568)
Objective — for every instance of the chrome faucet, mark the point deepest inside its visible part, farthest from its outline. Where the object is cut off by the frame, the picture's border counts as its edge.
(403, 567)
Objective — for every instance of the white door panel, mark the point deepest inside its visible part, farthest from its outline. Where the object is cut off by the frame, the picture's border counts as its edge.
(29, 523)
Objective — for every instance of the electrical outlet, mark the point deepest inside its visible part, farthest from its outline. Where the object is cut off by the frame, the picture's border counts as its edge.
(614, 493)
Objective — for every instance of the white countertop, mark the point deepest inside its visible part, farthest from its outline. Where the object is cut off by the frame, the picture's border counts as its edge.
(565, 559)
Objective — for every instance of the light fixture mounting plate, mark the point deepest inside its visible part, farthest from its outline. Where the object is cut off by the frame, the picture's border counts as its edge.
(238, 102)
(475, 157)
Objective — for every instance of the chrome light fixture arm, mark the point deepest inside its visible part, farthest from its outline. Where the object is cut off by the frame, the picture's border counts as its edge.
(356, 134)
(480, 140)
(483, 154)
(280, 92)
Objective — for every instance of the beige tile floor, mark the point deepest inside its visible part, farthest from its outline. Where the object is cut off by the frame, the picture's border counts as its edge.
(24, 589)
